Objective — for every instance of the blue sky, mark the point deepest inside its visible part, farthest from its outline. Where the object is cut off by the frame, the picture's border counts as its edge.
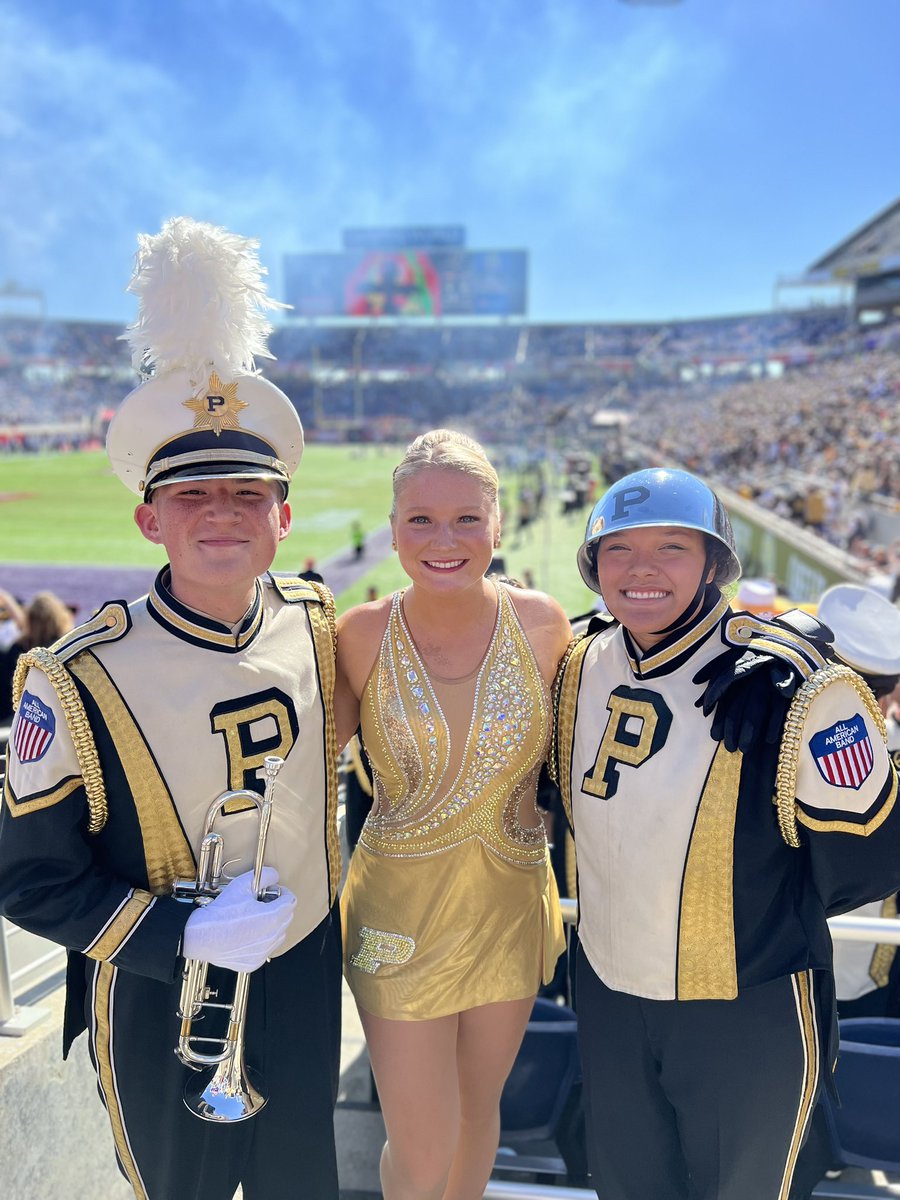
(656, 162)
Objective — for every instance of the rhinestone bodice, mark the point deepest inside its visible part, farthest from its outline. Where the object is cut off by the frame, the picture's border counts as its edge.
(418, 810)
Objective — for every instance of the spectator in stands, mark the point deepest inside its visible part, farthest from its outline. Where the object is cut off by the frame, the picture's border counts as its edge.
(358, 538)
(153, 716)
(12, 627)
(44, 619)
(12, 620)
(704, 985)
(525, 512)
(309, 572)
(450, 908)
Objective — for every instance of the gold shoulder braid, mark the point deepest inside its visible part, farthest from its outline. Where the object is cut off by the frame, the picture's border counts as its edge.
(327, 598)
(77, 722)
(555, 690)
(791, 740)
(322, 620)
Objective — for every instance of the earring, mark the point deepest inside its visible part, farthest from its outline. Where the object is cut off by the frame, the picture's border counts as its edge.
(393, 545)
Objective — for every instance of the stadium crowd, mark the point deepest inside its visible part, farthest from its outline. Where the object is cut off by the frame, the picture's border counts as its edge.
(797, 410)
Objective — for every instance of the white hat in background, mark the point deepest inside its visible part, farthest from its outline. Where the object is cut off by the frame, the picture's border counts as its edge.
(204, 412)
(866, 628)
(756, 596)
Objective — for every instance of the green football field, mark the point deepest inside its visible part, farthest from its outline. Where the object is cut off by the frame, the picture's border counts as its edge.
(70, 508)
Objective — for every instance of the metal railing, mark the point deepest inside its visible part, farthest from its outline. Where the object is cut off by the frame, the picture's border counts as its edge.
(37, 960)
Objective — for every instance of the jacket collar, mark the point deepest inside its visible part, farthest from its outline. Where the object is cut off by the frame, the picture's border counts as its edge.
(669, 654)
(197, 628)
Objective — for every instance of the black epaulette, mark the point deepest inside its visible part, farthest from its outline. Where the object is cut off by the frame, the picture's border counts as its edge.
(592, 622)
(294, 589)
(108, 624)
(795, 636)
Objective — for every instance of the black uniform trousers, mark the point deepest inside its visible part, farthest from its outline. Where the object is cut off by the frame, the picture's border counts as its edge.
(698, 1099)
(293, 1042)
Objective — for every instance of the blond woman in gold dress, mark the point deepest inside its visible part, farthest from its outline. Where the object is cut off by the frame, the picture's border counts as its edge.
(450, 910)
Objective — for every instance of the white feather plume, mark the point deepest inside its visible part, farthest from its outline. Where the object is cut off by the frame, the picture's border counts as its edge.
(202, 302)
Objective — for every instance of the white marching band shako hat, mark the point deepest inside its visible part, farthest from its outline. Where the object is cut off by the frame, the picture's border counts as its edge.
(204, 412)
(866, 628)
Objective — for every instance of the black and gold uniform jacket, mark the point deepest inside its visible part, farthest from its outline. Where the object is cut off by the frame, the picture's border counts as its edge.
(126, 733)
(701, 871)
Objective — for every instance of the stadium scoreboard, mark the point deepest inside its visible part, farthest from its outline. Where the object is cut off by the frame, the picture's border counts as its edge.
(418, 271)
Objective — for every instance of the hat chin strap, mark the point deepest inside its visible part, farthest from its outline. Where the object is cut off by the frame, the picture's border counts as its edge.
(706, 594)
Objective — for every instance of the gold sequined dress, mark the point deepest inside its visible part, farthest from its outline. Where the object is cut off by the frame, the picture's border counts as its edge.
(450, 901)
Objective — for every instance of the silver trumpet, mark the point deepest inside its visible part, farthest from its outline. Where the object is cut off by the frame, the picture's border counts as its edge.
(233, 1093)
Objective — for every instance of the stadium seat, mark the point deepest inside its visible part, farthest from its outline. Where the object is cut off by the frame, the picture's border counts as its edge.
(866, 1124)
(541, 1118)
(543, 1074)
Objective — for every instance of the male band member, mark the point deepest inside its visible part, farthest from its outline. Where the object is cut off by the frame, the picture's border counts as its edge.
(705, 999)
(131, 727)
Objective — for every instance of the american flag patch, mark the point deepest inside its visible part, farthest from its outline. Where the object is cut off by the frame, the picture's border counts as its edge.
(843, 753)
(35, 729)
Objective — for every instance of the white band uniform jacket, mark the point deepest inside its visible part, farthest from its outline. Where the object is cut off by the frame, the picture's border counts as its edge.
(687, 886)
(168, 713)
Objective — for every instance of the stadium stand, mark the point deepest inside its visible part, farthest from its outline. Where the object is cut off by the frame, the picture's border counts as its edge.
(795, 409)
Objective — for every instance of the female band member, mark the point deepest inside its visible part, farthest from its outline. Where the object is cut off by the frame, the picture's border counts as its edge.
(450, 909)
(715, 829)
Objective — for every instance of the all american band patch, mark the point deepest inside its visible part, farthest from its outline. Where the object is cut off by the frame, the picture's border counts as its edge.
(35, 729)
(843, 753)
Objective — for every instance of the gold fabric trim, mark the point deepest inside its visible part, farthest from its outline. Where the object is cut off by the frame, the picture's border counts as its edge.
(792, 745)
(112, 937)
(166, 852)
(566, 688)
(20, 808)
(651, 662)
(786, 652)
(107, 625)
(552, 754)
(848, 826)
(883, 956)
(294, 590)
(805, 1012)
(322, 622)
(77, 722)
(707, 962)
(571, 863)
(203, 633)
(326, 599)
(106, 975)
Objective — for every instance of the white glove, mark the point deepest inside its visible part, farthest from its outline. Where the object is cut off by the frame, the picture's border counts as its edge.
(236, 930)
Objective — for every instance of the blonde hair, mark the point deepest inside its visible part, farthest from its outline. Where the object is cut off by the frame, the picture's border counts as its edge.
(46, 619)
(447, 448)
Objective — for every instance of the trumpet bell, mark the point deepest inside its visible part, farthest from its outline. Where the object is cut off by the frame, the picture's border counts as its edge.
(224, 1098)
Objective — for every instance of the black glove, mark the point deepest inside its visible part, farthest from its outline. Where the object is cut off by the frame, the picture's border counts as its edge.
(750, 692)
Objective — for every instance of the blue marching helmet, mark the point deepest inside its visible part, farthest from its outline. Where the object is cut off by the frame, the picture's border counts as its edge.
(659, 496)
